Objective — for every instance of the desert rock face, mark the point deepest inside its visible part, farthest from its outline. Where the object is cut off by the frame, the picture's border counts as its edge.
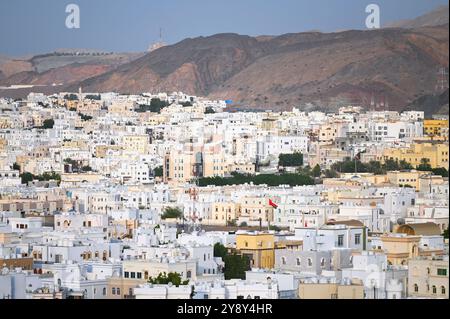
(395, 66)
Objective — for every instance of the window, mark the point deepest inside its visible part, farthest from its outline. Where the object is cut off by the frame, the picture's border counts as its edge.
(442, 272)
(299, 262)
(126, 274)
(139, 275)
(104, 291)
(357, 239)
(113, 290)
(310, 262)
(340, 240)
(322, 262)
(416, 288)
(443, 290)
(434, 290)
(283, 260)
(118, 291)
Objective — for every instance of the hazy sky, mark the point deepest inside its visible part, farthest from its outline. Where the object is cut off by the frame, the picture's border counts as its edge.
(38, 26)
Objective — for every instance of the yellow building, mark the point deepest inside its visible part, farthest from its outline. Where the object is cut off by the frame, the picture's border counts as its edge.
(411, 178)
(259, 247)
(428, 278)
(435, 153)
(224, 212)
(436, 128)
(121, 108)
(400, 248)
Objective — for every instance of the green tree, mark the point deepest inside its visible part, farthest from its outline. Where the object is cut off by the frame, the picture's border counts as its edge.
(172, 212)
(48, 124)
(445, 234)
(171, 277)
(209, 110)
(290, 160)
(236, 266)
(71, 97)
(93, 97)
(156, 105)
(329, 173)
(440, 171)
(16, 167)
(424, 165)
(404, 165)
(220, 250)
(85, 117)
(316, 171)
(86, 168)
(158, 171)
(261, 179)
(26, 177)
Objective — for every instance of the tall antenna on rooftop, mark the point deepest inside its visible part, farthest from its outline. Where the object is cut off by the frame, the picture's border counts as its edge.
(372, 103)
(442, 79)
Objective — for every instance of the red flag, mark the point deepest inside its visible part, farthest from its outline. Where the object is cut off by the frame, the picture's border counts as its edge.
(272, 204)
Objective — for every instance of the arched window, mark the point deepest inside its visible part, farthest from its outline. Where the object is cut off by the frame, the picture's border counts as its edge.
(283, 260)
(416, 288)
(299, 262)
(104, 291)
(309, 262)
(322, 262)
(188, 274)
(434, 289)
(443, 290)
(428, 270)
(118, 291)
(113, 290)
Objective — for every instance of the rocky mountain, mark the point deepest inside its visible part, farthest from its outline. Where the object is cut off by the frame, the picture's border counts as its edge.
(310, 70)
(60, 67)
(439, 16)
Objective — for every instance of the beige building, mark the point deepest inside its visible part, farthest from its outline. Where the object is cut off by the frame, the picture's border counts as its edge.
(122, 288)
(428, 277)
(136, 143)
(223, 213)
(401, 248)
(255, 208)
(330, 291)
(144, 269)
(411, 178)
(194, 161)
